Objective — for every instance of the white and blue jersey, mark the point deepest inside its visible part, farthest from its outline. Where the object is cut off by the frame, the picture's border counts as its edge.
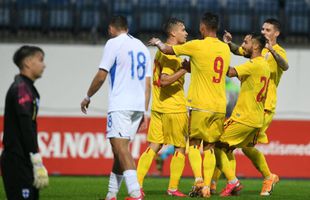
(128, 62)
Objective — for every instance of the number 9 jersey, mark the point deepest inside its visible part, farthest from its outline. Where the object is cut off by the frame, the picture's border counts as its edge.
(128, 62)
(209, 59)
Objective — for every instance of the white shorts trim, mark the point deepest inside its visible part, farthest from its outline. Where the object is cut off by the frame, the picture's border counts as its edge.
(123, 124)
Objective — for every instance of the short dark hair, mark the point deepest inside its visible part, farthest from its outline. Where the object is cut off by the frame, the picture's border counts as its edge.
(170, 24)
(119, 22)
(260, 38)
(274, 22)
(211, 20)
(24, 52)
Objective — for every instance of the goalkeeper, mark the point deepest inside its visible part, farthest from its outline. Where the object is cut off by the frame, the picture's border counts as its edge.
(22, 169)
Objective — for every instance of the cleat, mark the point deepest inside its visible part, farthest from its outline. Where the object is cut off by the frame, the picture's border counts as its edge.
(228, 190)
(236, 191)
(196, 189)
(175, 193)
(213, 188)
(206, 192)
(133, 198)
(142, 192)
(268, 185)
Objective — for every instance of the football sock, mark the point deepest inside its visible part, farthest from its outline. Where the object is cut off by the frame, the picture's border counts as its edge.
(195, 160)
(223, 164)
(132, 184)
(216, 175)
(144, 164)
(176, 169)
(208, 166)
(232, 160)
(115, 182)
(258, 160)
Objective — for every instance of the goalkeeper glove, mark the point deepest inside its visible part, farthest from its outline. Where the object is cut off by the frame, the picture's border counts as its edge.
(39, 171)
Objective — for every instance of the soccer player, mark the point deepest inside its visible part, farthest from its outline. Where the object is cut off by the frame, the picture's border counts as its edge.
(127, 60)
(247, 118)
(209, 61)
(23, 172)
(277, 60)
(168, 123)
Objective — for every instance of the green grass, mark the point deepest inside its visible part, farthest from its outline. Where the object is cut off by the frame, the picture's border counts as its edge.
(94, 188)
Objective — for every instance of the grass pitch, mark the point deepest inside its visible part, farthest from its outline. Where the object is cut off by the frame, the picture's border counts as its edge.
(95, 188)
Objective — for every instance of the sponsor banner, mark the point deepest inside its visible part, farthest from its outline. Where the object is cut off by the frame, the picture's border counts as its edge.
(78, 146)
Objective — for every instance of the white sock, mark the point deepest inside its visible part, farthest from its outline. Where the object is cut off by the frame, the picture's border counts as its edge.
(233, 181)
(115, 183)
(132, 184)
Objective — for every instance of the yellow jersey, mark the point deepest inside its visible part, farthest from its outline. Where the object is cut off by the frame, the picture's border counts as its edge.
(275, 75)
(209, 59)
(171, 98)
(254, 76)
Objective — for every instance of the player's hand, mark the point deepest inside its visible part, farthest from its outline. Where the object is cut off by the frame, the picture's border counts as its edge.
(39, 171)
(143, 124)
(268, 45)
(186, 64)
(84, 105)
(227, 37)
(154, 42)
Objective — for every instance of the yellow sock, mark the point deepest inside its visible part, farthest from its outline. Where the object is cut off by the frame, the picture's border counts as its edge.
(223, 164)
(208, 166)
(258, 160)
(144, 164)
(216, 175)
(195, 160)
(176, 169)
(232, 160)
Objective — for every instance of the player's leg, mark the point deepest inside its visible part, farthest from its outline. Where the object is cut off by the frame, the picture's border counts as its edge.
(121, 129)
(156, 139)
(175, 130)
(115, 180)
(17, 176)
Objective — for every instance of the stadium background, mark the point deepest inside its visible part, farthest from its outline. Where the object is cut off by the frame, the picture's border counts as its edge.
(72, 34)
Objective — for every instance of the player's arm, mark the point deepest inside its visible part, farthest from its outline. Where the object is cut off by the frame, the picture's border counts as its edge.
(93, 88)
(279, 59)
(166, 49)
(234, 48)
(166, 79)
(232, 72)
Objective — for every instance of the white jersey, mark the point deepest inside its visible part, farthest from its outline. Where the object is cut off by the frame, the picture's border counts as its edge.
(128, 62)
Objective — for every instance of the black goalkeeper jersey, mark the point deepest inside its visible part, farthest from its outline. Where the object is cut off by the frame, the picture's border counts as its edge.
(20, 125)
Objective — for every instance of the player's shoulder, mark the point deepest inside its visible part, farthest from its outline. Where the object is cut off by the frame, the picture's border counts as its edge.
(279, 48)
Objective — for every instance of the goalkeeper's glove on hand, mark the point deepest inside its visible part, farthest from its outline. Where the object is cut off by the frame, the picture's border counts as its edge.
(39, 171)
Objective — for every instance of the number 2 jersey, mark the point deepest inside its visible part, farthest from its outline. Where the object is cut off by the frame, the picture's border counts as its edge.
(254, 76)
(127, 60)
(209, 59)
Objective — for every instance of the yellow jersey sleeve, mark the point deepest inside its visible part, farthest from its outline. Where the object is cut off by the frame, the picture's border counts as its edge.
(188, 48)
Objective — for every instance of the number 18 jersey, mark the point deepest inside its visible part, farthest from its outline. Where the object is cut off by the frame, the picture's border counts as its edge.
(209, 59)
(128, 62)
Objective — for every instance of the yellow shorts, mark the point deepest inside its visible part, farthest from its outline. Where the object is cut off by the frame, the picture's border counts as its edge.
(238, 135)
(168, 128)
(207, 126)
(262, 136)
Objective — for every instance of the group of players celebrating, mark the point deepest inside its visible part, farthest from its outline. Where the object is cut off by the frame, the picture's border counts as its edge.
(205, 127)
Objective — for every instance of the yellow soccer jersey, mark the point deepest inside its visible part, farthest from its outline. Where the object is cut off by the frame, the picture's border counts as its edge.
(171, 98)
(275, 76)
(209, 59)
(254, 77)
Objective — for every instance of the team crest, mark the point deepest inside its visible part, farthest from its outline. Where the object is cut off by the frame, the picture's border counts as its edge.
(25, 193)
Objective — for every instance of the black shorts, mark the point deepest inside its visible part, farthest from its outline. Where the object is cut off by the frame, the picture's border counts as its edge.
(17, 175)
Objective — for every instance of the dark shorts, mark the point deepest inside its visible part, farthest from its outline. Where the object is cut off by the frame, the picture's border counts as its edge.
(17, 178)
